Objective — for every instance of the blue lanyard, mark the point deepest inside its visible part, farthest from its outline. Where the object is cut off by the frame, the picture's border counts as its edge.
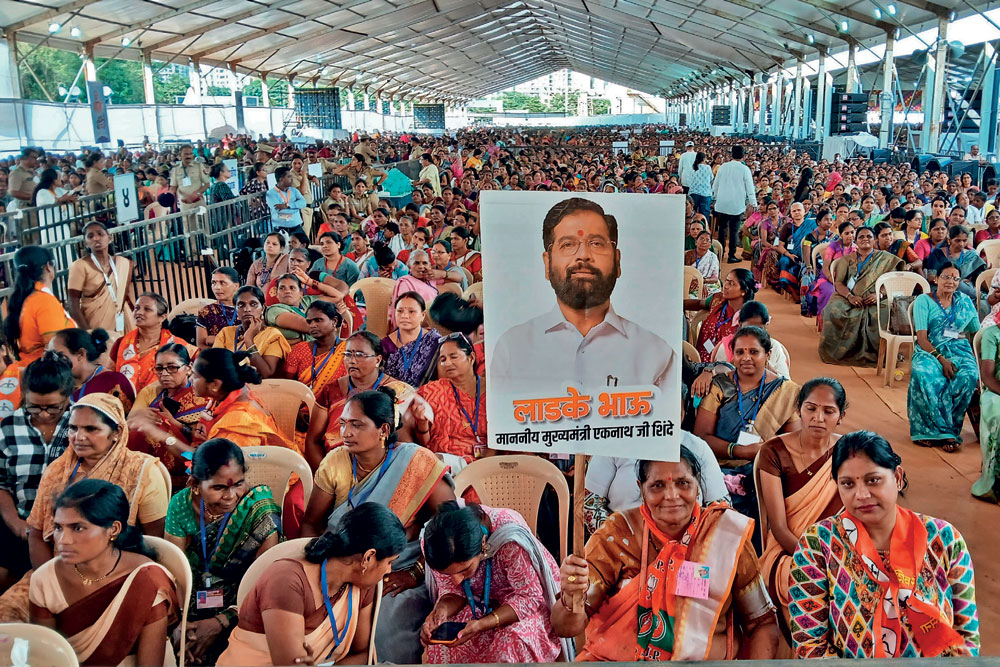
(473, 424)
(408, 358)
(949, 313)
(338, 636)
(83, 389)
(757, 402)
(721, 322)
(230, 321)
(239, 340)
(381, 474)
(204, 547)
(378, 381)
(317, 371)
(863, 263)
(73, 474)
(480, 609)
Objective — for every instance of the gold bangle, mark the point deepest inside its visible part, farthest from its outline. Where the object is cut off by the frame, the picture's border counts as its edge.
(497, 616)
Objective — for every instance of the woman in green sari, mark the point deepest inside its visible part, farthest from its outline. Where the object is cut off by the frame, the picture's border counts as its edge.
(222, 525)
(850, 320)
(987, 487)
(371, 466)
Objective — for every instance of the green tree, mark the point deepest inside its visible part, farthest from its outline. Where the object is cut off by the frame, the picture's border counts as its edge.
(558, 105)
(600, 106)
(124, 78)
(514, 101)
(53, 67)
(218, 91)
(166, 90)
(277, 91)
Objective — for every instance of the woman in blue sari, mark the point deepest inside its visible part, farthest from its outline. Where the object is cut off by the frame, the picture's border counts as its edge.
(957, 254)
(944, 374)
(789, 246)
(372, 466)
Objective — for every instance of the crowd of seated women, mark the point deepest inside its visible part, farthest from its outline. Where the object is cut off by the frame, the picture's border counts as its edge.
(119, 434)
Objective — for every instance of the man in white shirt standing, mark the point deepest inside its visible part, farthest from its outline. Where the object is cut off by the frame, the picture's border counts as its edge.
(685, 164)
(734, 194)
(582, 339)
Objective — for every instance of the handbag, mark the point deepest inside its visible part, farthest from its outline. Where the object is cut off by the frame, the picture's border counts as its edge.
(899, 323)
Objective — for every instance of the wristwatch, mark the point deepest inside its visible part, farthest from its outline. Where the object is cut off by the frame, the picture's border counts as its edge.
(170, 442)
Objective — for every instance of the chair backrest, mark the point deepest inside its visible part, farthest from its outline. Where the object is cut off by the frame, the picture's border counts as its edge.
(690, 352)
(378, 296)
(173, 559)
(816, 255)
(474, 293)
(45, 647)
(469, 279)
(909, 320)
(896, 283)
(693, 275)
(899, 235)
(289, 549)
(516, 482)
(694, 325)
(977, 344)
(189, 307)
(717, 249)
(166, 477)
(283, 398)
(274, 466)
(984, 278)
(990, 249)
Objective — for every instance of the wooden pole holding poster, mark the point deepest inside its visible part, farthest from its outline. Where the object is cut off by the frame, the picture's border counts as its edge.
(580, 462)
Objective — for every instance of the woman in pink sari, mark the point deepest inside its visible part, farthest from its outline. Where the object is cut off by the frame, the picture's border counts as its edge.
(822, 288)
(764, 258)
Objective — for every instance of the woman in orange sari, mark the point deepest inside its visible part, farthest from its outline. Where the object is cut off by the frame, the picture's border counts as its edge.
(34, 315)
(320, 361)
(173, 404)
(458, 403)
(795, 486)
(365, 363)
(134, 354)
(668, 580)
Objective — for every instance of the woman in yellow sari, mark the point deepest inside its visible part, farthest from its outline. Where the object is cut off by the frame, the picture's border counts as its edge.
(365, 364)
(795, 486)
(319, 607)
(103, 591)
(267, 347)
(34, 315)
(668, 580)
(408, 479)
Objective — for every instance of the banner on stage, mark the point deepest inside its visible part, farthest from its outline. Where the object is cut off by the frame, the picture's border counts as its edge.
(583, 322)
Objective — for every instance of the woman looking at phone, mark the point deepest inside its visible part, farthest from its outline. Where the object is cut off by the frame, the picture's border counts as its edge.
(493, 584)
(318, 607)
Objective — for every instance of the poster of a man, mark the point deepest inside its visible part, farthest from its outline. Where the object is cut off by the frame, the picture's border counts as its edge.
(604, 353)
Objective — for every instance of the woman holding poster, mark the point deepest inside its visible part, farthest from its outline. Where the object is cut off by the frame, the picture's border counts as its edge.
(706, 600)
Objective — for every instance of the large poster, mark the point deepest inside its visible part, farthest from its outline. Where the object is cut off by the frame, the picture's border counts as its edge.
(98, 112)
(583, 322)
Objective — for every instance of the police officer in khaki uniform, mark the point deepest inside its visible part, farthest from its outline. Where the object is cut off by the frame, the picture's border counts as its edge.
(264, 152)
(189, 181)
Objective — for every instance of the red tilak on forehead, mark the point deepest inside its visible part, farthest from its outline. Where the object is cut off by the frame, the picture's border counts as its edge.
(230, 482)
(670, 478)
(579, 232)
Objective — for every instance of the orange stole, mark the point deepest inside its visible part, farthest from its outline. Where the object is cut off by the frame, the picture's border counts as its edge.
(423, 472)
(612, 631)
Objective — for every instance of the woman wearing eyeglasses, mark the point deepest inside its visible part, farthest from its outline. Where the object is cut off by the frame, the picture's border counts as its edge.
(364, 360)
(443, 270)
(455, 425)
(173, 405)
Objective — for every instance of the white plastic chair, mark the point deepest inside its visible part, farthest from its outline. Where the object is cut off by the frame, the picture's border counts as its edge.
(274, 466)
(45, 647)
(895, 284)
(173, 559)
(984, 278)
(990, 249)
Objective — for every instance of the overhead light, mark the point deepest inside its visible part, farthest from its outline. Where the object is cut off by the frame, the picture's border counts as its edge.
(891, 8)
(126, 41)
(74, 31)
(878, 14)
(811, 38)
(54, 28)
(845, 26)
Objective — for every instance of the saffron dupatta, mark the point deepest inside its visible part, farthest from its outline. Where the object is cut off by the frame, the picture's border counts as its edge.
(932, 631)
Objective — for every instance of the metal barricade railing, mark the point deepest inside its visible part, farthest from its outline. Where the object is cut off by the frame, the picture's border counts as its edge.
(172, 255)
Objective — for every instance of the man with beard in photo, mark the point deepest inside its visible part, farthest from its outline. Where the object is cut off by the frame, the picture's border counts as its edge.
(582, 339)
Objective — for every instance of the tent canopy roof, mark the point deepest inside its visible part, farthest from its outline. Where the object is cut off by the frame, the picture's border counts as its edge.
(456, 50)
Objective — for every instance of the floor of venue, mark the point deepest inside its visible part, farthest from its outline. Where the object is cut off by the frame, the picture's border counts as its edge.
(939, 482)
